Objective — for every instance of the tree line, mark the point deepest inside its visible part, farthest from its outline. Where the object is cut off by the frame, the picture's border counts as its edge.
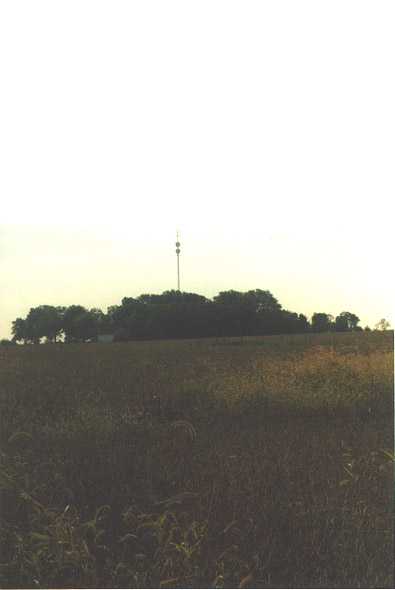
(175, 314)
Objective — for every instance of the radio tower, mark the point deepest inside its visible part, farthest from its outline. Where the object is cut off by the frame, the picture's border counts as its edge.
(178, 263)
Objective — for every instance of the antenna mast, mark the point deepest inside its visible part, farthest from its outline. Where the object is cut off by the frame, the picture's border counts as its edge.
(178, 262)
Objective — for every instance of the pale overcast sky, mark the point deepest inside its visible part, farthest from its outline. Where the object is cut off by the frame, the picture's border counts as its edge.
(264, 131)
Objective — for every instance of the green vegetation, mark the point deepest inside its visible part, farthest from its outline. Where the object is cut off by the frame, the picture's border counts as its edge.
(175, 314)
(239, 462)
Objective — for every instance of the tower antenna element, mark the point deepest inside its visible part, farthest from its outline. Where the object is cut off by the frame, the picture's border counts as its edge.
(178, 262)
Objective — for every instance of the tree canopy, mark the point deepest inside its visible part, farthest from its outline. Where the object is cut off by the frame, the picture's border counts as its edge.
(175, 314)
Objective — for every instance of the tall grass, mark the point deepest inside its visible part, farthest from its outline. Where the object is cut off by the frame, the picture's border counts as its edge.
(268, 464)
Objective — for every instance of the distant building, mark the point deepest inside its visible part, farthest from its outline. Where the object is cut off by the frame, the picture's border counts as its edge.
(104, 338)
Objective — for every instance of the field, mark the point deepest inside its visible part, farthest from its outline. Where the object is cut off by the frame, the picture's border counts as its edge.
(256, 462)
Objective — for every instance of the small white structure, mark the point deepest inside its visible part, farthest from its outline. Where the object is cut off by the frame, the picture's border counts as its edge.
(104, 338)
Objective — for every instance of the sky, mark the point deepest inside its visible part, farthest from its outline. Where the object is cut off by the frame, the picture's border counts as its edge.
(263, 131)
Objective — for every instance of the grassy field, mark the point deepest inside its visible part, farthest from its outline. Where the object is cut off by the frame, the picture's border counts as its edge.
(268, 464)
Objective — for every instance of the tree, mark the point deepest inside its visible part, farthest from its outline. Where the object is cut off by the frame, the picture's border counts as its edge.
(175, 314)
(181, 297)
(119, 317)
(321, 322)
(79, 324)
(262, 301)
(303, 323)
(172, 296)
(18, 330)
(383, 325)
(45, 321)
(6, 342)
(100, 319)
(289, 322)
(346, 322)
(230, 297)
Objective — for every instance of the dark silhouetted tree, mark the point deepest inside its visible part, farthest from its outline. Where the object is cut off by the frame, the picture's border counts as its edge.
(6, 342)
(262, 301)
(321, 322)
(346, 322)
(79, 324)
(303, 323)
(174, 314)
(45, 321)
(18, 330)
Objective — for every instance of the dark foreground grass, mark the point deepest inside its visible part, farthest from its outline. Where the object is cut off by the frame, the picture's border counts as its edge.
(269, 464)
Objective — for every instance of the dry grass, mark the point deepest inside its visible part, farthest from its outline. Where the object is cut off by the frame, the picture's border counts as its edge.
(269, 464)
